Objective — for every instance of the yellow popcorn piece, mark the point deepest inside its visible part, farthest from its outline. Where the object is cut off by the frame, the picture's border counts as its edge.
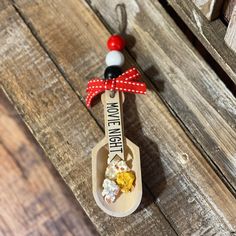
(125, 180)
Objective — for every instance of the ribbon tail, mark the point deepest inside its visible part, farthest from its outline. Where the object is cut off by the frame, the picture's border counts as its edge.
(131, 87)
(93, 93)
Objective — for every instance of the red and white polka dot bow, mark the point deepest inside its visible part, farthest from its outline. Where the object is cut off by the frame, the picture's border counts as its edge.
(124, 82)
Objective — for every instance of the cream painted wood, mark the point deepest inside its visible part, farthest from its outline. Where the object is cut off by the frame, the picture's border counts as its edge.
(126, 203)
(114, 124)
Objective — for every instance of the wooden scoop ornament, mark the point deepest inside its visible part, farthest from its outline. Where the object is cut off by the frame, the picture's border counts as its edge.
(115, 145)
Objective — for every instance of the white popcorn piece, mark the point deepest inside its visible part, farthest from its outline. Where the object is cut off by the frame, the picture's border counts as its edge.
(110, 190)
(122, 166)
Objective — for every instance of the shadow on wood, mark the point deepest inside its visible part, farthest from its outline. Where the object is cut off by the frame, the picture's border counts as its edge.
(152, 170)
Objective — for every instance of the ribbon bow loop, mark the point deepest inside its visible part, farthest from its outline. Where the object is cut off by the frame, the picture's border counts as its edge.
(125, 83)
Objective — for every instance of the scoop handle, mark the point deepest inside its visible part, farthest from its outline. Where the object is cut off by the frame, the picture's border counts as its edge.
(114, 127)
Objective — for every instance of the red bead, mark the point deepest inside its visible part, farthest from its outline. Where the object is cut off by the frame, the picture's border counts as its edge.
(116, 42)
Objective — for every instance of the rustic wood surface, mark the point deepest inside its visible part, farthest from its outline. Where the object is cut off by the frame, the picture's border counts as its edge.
(50, 50)
(33, 198)
(210, 8)
(228, 9)
(230, 36)
(62, 125)
(210, 34)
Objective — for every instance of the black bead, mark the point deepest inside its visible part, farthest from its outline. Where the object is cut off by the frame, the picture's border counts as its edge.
(112, 72)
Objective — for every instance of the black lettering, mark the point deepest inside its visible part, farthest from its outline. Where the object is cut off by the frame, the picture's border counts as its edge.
(114, 131)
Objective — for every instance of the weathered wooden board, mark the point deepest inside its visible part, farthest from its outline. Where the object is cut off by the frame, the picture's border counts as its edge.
(210, 34)
(62, 125)
(209, 8)
(230, 36)
(191, 88)
(173, 169)
(33, 198)
(228, 9)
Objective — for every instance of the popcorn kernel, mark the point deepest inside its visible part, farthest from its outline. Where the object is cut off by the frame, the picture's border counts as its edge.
(125, 180)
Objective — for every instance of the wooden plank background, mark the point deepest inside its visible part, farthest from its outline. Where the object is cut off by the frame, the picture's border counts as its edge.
(210, 34)
(230, 36)
(210, 8)
(228, 9)
(52, 48)
(34, 199)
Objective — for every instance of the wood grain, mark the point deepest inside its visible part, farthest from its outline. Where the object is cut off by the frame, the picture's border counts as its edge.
(209, 8)
(173, 169)
(33, 198)
(62, 125)
(192, 90)
(228, 9)
(230, 37)
(210, 34)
